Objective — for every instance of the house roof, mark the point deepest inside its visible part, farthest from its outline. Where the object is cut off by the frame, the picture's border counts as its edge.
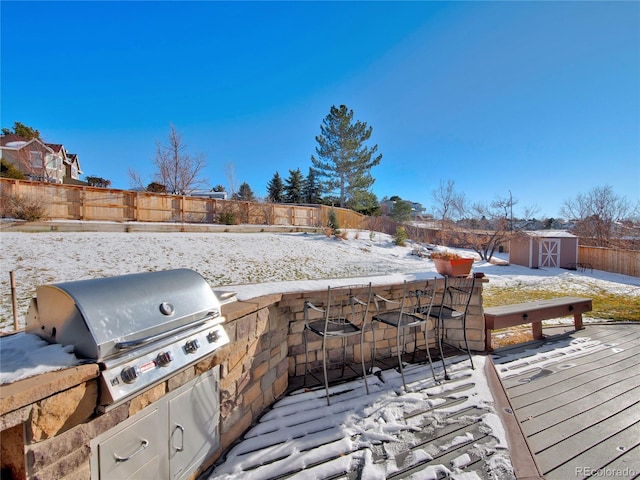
(56, 147)
(7, 139)
(16, 142)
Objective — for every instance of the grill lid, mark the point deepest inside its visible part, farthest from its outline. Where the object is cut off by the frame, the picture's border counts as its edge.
(101, 317)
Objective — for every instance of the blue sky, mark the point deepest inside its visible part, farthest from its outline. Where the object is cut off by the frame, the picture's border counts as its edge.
(538, 98)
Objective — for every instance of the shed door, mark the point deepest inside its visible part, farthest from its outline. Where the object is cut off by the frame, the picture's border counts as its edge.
(549, 255)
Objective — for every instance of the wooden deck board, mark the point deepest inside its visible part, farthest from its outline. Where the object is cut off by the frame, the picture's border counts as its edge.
(573, 389)
(598, 359)
(620, 396)
(588, 439)
(619, 447)
(626, 463)
(571, 437)
(580, 415)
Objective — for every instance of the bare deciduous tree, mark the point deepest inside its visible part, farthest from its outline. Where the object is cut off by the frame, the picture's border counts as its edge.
(178, 170)
(492, 225)
(596, 215)
(231, 178)
(447, 204)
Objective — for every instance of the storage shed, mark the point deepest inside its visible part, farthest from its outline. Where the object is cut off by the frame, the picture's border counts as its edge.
(544, 248)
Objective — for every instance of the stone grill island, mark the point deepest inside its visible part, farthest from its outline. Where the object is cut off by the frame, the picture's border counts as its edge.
(52, 426)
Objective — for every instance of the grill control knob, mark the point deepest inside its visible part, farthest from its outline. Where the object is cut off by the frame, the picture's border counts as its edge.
(129, 374)
(213, 336)
(164, 359)
(191, 346)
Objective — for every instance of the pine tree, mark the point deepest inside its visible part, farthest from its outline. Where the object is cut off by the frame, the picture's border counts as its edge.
(98, 181)
(293, 187)
(9, 170)
(311, 188)
(344, 161)
(275, 189)
(22, 130)
(244, 193)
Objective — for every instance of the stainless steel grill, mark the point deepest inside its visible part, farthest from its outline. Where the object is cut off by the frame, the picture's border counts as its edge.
(139, 328)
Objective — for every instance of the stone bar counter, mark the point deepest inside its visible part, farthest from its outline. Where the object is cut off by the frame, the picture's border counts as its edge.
(48, 421)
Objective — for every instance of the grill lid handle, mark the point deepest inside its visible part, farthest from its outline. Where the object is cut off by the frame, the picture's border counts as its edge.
(158, 336)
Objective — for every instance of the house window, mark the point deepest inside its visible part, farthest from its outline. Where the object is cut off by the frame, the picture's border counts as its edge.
(74, 171)
(36, 159)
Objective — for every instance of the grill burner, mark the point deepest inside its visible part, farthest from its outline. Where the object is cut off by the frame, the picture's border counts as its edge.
(139, 328)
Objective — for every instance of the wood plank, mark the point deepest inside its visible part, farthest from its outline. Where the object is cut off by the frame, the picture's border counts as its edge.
(617, 447)
(571, 389)
(604, 334)
(624, 466)
(585, 414)
(442, 456)
(549, 381)
(522, 458)
(551, 376)
(577, 421)
(614, 398)
(520, 313)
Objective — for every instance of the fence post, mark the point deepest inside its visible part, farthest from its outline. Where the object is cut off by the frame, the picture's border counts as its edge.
(14, 302)
(83, 197)
(134, 200)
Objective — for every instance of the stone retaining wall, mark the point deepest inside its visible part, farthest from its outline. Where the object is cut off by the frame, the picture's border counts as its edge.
(47, 422)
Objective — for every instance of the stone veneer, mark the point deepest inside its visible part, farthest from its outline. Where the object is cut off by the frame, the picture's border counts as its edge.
(48, 421)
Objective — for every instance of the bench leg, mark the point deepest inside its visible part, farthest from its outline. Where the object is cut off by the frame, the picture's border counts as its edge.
(577, 321)
(487, 340)
(537, 330)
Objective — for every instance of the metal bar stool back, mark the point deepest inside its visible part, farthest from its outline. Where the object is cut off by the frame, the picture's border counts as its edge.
(342, 315)
(454, 306)
(410, 312)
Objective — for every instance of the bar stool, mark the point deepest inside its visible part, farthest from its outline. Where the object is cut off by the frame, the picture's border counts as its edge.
(343, 315)
(410, 312)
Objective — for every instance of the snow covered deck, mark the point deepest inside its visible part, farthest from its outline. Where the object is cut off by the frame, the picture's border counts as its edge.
(575, 398)
(431, 431)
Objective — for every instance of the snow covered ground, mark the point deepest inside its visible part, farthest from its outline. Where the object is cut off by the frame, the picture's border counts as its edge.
(250, 263)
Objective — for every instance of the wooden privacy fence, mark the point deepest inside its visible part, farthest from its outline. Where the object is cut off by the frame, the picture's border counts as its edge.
(73, 202)
(625, 262)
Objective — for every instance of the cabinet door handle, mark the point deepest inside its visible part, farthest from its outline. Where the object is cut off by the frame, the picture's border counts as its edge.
(142, 446)
(181, 447)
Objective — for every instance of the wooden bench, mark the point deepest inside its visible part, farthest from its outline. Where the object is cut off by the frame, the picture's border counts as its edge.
(534, 312)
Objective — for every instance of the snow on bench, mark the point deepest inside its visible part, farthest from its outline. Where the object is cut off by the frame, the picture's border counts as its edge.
(535, 312)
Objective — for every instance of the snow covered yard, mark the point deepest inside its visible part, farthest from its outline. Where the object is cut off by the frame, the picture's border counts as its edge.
(250, 263)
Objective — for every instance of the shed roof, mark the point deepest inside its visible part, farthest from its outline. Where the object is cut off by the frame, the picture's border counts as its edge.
(549, 233)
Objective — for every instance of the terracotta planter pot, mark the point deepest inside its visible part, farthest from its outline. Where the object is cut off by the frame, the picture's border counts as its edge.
(456, 267)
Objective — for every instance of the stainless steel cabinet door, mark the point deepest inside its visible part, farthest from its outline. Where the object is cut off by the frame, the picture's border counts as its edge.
(194, 417)
(133, 449)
